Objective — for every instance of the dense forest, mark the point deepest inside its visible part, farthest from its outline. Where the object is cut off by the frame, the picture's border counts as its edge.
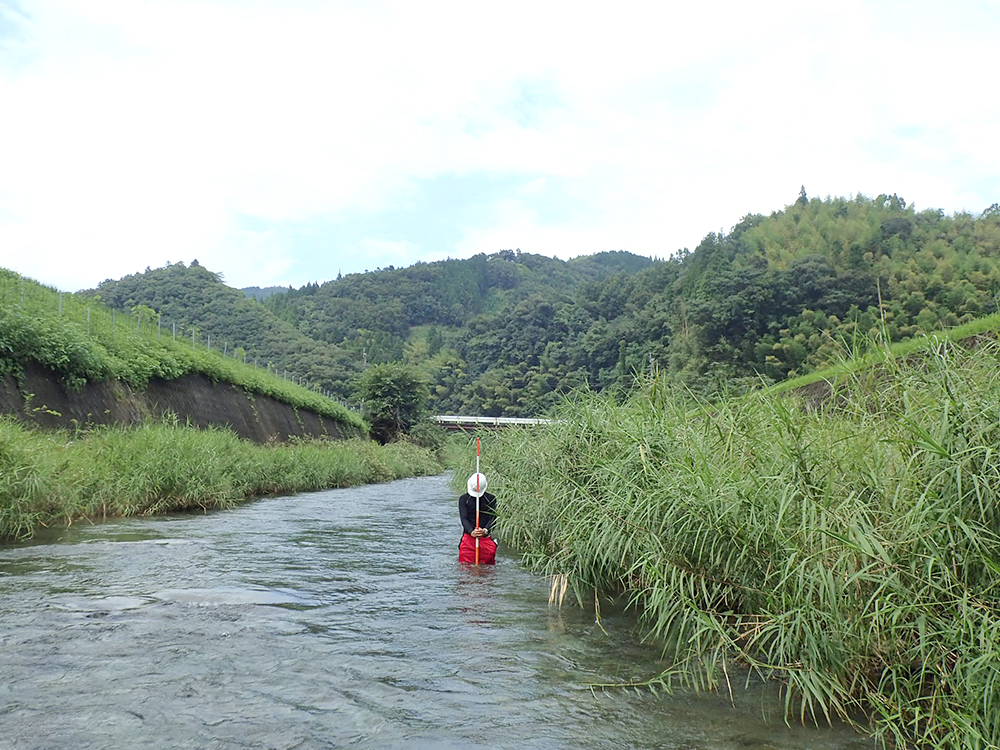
(326, 335)
(506, 334)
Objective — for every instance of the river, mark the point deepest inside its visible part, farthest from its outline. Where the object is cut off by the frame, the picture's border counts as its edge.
(327, 620)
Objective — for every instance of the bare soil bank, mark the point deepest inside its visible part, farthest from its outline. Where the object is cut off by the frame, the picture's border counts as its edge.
(39, 397)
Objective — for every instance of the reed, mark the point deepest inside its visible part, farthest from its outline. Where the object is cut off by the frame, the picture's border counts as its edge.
(57, 478)
(851, 550)
(28, 465)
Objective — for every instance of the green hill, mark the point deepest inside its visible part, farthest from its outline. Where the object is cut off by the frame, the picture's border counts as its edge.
(375, 313)
(257, 293)
(327, 333)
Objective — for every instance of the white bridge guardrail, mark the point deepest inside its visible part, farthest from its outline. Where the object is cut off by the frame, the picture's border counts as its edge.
(456, 422)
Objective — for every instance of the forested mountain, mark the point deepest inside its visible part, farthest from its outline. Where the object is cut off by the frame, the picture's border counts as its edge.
(374, 314)
(508, 333)
(326, 334)
(778, 296)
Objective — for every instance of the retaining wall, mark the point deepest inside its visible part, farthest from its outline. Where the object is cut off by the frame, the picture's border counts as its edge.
(39, 397)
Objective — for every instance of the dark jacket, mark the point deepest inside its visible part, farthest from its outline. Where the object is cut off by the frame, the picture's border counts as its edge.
(467, 511)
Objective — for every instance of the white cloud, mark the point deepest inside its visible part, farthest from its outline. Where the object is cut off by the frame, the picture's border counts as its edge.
(133, 131)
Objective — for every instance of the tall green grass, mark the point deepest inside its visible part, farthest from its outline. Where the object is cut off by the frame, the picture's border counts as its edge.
(57, 478)
(851, 550)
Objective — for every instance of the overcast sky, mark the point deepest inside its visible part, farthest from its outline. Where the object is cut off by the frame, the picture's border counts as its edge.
(286, 141)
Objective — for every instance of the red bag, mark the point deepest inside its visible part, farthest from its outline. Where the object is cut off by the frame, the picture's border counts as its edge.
(467, 550)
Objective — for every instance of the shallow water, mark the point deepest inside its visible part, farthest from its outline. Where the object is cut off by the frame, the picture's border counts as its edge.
(325, 620)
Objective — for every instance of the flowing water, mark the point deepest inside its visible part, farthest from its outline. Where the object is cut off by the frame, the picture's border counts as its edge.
(325, 620)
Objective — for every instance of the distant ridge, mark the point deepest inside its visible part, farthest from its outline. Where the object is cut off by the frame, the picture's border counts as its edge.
(262, 293)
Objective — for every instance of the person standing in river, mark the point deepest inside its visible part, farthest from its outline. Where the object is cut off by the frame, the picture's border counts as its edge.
(477, 528)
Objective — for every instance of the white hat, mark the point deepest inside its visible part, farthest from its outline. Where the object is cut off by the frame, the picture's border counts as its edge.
(477, 485)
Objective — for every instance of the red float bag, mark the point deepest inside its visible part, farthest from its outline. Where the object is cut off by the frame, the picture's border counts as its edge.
(467, 550)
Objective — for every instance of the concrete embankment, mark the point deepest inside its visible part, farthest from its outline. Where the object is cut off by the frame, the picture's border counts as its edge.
(39, 397)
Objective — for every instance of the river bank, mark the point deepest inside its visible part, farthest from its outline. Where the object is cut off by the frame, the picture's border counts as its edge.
(847, 549)
(52, 478)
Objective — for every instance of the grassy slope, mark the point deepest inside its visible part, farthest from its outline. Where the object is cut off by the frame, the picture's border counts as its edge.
(83, 341)
(988, 325)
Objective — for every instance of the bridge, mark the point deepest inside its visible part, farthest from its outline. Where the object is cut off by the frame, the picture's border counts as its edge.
(453, 422)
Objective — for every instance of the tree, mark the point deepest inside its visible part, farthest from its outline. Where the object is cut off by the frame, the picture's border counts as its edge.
(145, 314)
(395, 397)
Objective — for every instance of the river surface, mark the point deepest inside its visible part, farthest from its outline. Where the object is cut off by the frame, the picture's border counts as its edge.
(326, 620)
